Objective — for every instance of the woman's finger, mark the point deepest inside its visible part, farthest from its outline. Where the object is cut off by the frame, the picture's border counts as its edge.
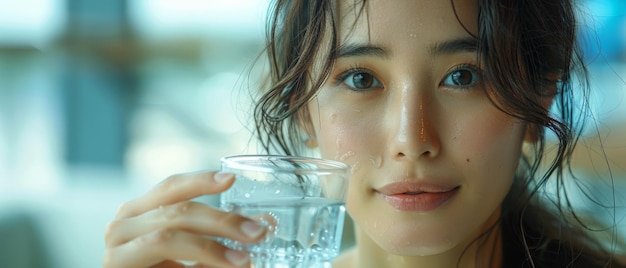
(177, 188)
(191, 217)
(157, 247)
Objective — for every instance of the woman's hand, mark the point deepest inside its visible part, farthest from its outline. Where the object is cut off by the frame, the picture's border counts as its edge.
(163, 226)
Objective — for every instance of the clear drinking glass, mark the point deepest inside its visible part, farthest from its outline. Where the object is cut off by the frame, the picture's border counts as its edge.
(301, 201)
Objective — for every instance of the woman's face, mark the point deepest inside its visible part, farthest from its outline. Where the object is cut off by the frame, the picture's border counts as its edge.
(405, 106)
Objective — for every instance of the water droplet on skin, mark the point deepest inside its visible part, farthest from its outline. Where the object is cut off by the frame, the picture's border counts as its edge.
(332, 118)
(338, 143)
(346, 155)
(377, 161)
(355, 166)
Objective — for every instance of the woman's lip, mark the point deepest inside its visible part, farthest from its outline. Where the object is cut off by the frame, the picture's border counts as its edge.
(417, 197)
(404, 187)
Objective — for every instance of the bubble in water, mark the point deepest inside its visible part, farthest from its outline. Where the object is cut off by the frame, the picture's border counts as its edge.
(316, 247)
(297, 241)
(291, 246)
(277, 191)
(251, 191)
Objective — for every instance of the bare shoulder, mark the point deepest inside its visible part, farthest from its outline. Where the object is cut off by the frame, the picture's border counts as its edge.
(346, 259)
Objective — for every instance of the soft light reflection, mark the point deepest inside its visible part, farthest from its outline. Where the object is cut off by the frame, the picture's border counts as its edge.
(152, 161)
(31, 22)
(171, 18)
(225, 106)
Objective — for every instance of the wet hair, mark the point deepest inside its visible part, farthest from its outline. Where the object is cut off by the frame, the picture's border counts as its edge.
(295, 33)
(528, 53)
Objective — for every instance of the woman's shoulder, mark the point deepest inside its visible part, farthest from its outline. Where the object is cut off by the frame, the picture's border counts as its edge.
(530, 244)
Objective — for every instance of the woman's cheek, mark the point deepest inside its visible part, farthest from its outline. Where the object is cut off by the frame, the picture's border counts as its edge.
(347, 140)
(500, 141)
(344, 136)
(488, 147)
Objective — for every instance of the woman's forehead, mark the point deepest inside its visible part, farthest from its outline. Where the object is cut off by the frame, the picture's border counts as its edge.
(411, 17)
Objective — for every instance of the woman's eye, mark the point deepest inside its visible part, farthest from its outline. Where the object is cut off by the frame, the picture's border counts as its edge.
(462, 77)
(360, 80)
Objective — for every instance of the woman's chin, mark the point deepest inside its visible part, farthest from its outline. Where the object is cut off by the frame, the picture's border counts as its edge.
(415, 245)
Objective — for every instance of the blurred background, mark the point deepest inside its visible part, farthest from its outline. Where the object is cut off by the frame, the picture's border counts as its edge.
(100, 100)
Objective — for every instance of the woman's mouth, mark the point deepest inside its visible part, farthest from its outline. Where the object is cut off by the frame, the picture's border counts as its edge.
(417, 197)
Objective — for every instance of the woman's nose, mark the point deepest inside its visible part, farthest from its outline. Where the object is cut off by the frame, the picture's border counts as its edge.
(414, 128)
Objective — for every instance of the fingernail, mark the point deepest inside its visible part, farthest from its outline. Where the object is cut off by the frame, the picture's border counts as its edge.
(252, 229)
(237, 258)
(222, 177)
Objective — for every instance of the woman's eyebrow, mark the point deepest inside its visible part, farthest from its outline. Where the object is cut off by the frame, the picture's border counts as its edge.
(355, 50)
(446, 47)
(454, 46)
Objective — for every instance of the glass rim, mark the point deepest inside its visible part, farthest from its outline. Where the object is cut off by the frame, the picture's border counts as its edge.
(322, 166)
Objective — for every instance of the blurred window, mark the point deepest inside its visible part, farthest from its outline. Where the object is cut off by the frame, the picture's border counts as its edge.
(30, 22)
(175, 18)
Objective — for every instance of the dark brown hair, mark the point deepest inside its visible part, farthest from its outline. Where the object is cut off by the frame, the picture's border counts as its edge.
(528, 53)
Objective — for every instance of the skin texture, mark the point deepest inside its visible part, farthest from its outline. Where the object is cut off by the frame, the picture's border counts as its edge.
(410, 125)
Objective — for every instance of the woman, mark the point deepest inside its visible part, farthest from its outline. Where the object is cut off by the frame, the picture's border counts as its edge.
(439, 107)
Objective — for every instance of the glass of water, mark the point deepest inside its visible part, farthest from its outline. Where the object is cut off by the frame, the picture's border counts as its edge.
(300, 200)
